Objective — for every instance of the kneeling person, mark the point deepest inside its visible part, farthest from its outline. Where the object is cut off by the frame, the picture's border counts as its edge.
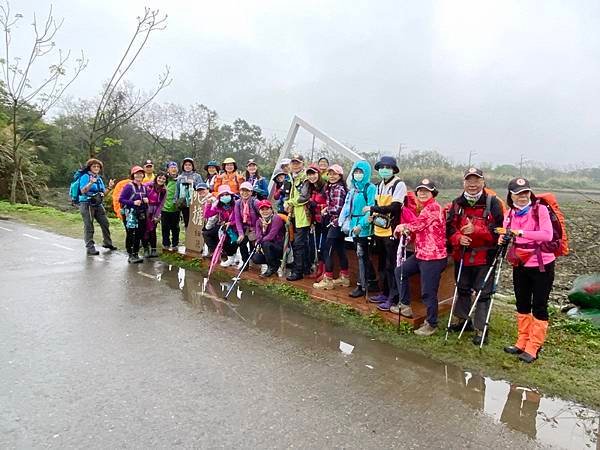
(270, 233)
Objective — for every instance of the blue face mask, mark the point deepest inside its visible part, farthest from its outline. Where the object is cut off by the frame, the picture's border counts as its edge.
(226, 199)
(358, 176)
(385, 173)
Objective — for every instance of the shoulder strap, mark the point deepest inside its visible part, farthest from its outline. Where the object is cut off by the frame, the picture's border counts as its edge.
(488, 205)
(365, 192)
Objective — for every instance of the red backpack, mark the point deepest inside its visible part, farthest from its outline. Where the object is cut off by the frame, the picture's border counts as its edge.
(559, 245)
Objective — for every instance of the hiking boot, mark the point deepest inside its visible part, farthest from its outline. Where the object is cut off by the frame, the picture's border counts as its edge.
(385, 306)
(406, 311)
(342, 281)
(457, 323)
(295, 277)
(513, 350)
(134, 259)
(395, 309)
(326, 283)
(146, 252)
(110, 247)
(357, 292)
(268, 273)
(527, 358)
(477, 338)
(425, 330)
(230, 261)
(153, 253)
(92, 251)
(381, 298)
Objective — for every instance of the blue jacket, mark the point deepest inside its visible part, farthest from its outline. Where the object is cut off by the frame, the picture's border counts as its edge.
(361, 194)
(97, 187)
(185, 186)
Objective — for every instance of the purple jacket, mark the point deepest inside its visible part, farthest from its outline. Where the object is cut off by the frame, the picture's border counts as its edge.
(275, 230)
(131, 193)
(156, 199)
(237, 214)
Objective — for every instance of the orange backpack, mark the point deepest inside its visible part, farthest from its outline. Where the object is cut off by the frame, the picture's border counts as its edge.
(490, 192)
(559, 245)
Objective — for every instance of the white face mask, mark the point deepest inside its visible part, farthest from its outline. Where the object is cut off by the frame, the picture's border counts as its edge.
(524, 206)
(473, 198)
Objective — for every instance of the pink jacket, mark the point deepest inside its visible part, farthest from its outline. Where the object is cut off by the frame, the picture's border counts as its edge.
(533, 233)
(429, 230)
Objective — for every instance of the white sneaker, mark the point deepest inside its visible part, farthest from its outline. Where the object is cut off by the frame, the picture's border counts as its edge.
(263, 268)
(230, 261)
(426, 330)
(239, 265)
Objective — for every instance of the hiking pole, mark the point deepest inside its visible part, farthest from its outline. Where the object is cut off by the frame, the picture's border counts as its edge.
(499, 256)
(237, 278)
(460, 267)
(402, 249)
(493, 293)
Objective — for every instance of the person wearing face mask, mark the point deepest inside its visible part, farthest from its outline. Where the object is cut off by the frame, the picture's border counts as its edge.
(270, 231)
(471, 221)
(222, 208)
(391, 192)
(298, 213)
(134, 200)
(356, 223)
(245, 214)
(533, 266)
(430, 259)
(170, 215)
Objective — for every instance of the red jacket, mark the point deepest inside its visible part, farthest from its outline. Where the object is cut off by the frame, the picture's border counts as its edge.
(429, 230)
(485, 215)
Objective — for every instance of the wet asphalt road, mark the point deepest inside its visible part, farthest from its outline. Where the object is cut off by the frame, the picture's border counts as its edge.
(95, 355)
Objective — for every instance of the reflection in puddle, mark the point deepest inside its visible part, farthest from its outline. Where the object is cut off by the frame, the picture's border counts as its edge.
(549, 421)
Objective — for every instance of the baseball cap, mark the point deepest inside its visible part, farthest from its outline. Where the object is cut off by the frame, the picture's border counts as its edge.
(297, 157)
(517, 185)
(473, 171)
(148, 163)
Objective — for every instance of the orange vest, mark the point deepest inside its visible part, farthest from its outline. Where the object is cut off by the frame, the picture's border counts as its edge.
(233, 180)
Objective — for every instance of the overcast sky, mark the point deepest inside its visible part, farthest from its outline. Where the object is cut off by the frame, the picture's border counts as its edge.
(499, 78)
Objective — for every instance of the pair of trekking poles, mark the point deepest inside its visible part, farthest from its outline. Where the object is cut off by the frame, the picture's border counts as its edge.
(496, 269)
(217, 256)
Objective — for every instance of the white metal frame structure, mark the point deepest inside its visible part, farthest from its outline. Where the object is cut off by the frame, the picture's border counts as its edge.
(297, 122)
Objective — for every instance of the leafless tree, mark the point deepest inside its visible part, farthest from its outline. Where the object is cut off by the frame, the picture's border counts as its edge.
(113, 109)
(24, 98)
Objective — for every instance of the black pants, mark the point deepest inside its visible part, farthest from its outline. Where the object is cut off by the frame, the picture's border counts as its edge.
(532, 289)
(185, 212)
(471, 280)
(246, 247)
(133, 238)
(211, 238)
(335, 245)
(387, 249)
(169, 222)
(300, 249)
(270, 254)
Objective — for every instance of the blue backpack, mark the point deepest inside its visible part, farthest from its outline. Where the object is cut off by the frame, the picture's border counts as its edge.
(74, 191)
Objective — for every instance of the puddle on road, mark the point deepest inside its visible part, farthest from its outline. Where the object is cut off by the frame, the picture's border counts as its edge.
(549, 421)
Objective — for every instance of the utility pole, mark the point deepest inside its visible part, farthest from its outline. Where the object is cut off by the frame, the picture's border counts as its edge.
(312, 153)
(521, 166)
(400, 150)
(471, 154)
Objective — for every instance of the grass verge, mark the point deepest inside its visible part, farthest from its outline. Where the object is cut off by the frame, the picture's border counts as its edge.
(569, 366)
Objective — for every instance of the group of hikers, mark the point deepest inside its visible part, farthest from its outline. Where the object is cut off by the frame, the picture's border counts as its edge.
(314, 212)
